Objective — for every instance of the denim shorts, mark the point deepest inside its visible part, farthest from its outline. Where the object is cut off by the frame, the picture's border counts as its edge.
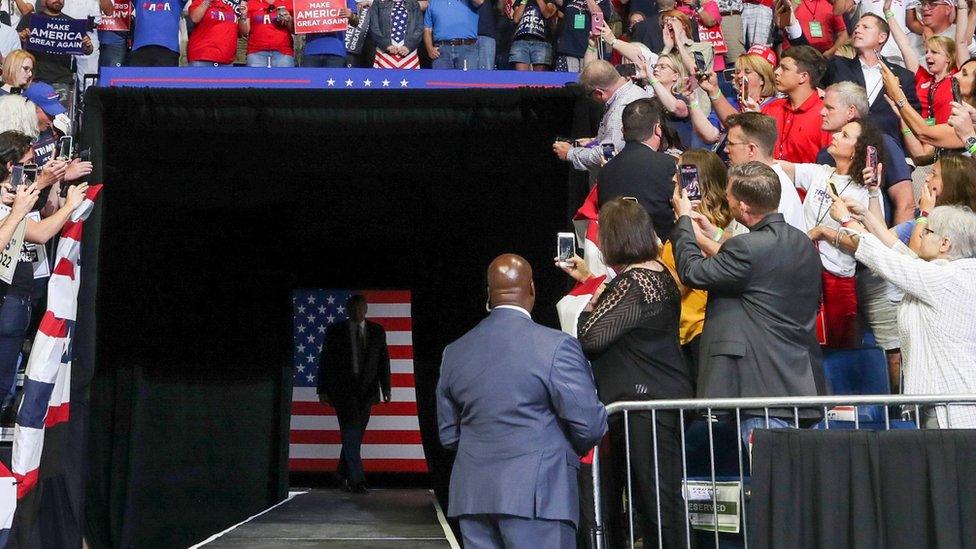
(530, 52)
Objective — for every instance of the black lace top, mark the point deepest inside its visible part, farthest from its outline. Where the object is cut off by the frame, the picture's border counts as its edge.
(631, 337)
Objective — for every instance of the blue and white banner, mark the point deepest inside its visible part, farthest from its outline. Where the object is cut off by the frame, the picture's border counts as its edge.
(327, 79)
(61, 35)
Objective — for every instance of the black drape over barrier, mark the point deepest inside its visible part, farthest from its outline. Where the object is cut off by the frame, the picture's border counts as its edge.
(218, 203)
(863, 489)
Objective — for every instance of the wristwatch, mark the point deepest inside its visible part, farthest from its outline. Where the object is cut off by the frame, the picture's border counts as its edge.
(971, 143)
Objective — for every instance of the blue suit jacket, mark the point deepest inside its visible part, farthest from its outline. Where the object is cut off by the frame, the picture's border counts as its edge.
(519, 403)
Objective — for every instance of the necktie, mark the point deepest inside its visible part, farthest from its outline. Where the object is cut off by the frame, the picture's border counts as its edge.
(361, 347)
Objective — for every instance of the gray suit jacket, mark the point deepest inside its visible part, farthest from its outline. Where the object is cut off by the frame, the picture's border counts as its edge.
(763, 288)
(519, 403)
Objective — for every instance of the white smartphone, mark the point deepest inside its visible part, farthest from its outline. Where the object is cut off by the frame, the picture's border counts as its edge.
(565, 247)
(64, 148)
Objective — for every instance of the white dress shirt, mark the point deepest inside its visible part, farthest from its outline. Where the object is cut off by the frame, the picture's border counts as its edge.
(935, 322)
(514, 308)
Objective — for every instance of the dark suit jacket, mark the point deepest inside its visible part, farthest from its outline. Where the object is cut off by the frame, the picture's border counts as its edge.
(518, 402)
(336, 378)
(644, 174)
(381, 24)
(763, 288)
(841, 69)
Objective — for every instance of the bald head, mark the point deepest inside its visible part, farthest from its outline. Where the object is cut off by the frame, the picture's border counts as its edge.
(510, 282)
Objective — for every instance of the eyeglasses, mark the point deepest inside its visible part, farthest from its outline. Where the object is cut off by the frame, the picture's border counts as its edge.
(733, 143)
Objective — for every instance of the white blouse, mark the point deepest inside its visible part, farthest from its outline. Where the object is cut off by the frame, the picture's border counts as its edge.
(936, 323)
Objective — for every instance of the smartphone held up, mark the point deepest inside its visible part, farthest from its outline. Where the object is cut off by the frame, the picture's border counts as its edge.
(688, 174)
(565, 248)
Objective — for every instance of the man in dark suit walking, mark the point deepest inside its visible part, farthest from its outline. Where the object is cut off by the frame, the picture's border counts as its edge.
(518, 402)
(639, 170)
(354, 375)
(763, 288)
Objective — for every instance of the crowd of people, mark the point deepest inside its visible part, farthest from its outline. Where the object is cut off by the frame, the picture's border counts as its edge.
(540, 35)
(830, 206)
(845, 219)
(36, 149)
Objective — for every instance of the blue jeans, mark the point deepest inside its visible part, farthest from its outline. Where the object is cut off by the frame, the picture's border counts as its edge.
(750, 423)
(324, 60)
(486, 53)
(111, 55)
(270, 59)
(457, 57)
(15, 315)
(530, 52)
(209, 64)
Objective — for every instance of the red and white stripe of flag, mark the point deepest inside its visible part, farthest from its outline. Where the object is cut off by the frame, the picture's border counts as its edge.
(45, 366)
(386, 60)
(392, 441)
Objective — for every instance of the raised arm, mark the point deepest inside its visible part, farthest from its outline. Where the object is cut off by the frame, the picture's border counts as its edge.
(901, 39)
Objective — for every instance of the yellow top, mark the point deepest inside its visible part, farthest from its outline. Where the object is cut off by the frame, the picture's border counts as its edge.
(692, 302)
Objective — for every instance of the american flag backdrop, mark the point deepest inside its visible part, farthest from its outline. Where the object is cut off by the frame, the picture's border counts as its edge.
(392, 441)
(398, 32)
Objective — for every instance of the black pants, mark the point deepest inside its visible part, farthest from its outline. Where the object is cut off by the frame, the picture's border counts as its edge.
(154, 56)
(643, 482)
(353, 419)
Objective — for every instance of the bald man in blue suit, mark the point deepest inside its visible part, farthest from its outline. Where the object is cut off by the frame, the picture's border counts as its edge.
(518, 402)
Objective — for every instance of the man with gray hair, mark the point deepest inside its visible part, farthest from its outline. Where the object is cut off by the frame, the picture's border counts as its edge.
(759, 338)
(601, 82)
(846, 101)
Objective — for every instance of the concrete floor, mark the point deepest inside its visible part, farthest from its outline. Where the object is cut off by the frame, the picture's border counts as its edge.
(331, 518)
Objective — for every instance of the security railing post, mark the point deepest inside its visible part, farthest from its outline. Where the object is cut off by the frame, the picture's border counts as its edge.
(630, 491)
(711, 463)
(597, 536)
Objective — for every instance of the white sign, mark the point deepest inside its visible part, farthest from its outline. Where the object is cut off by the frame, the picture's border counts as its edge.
(700, 505)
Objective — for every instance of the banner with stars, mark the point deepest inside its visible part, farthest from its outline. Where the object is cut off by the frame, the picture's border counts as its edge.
(329, 79)
(392, 441)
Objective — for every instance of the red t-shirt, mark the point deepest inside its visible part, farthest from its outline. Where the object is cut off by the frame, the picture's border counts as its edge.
(817, 17)
(266, 35)
(940, 93)
(214, 38)
(799, 137)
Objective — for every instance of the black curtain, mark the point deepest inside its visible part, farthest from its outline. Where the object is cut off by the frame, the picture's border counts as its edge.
(218, 203)
(863, 489)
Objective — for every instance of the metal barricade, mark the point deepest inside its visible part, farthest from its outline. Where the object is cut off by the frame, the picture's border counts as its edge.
(834, 408)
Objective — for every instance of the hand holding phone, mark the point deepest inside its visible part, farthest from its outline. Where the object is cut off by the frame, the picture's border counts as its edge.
(596, 23)
(609, 151)
(871, 161)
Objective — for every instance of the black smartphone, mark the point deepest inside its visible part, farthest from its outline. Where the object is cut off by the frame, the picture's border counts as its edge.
(608, 151)
(64, 148)
(689, 181)
(956, 94)
(627, 70)
(871, 159)
(833, 188)
(565, 247)
(85, 155)
(699, 62)
(30, 173)
(16, 177)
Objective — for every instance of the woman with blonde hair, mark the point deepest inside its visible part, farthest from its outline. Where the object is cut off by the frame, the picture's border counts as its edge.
(670, 82)
(18, 71)
(754, 76)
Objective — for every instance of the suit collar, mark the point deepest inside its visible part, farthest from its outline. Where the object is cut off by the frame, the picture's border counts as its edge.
(775, 217)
